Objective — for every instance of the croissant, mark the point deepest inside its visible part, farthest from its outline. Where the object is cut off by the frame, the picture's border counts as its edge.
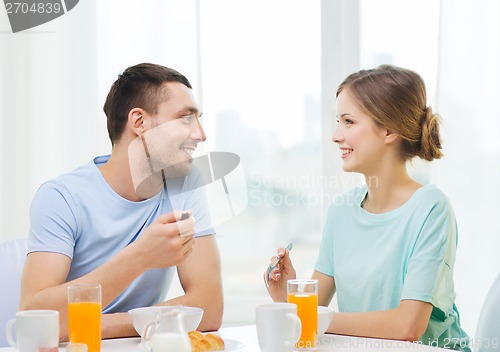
(207, 342)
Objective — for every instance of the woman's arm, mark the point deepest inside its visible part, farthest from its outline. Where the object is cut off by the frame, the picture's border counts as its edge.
(407, 322)
(326, 288)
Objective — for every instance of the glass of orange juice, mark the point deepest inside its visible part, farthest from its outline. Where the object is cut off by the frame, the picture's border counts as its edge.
(84, 315)
(304, 293)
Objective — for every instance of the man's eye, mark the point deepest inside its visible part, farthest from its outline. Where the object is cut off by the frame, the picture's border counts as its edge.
(188, 118)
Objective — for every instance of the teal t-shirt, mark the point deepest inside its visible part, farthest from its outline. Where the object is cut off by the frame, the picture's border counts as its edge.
(377, 260)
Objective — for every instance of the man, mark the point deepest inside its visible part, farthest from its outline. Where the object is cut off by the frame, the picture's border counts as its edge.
(126, 220)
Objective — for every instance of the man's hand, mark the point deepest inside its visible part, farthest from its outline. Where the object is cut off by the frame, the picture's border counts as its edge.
(167, 241)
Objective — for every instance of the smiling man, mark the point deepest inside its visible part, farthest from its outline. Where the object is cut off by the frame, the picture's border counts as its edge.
(116, 221)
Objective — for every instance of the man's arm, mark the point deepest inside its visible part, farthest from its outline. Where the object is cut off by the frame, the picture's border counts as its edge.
(44, 285)
(200, 277)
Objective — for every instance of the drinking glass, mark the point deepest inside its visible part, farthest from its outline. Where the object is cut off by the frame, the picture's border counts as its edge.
(84, 315)
(304, 293)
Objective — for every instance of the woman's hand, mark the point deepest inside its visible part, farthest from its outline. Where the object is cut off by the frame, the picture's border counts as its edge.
(276, 279)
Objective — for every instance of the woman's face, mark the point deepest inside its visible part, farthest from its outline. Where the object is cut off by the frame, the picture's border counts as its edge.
(360, 139)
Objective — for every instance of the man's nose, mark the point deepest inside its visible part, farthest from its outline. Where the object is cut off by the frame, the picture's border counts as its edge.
(199, 132)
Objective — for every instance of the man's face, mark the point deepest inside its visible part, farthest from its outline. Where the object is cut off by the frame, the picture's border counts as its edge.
(172, 134)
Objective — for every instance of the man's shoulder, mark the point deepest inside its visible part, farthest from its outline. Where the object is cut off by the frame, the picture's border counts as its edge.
(74, 179)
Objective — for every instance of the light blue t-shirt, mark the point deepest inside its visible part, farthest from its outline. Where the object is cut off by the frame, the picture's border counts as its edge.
(79, 215)
(377, 260)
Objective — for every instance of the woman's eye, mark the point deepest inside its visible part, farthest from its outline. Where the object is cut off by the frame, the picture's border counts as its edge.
(348, 122)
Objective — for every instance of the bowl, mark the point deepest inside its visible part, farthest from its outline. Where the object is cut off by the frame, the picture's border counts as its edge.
(325, 315)
(141, 317)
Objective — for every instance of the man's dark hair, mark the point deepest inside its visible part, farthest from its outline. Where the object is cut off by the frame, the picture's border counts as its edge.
(139, 86)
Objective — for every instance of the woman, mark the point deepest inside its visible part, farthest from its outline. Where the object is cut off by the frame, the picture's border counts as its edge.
(388, 247)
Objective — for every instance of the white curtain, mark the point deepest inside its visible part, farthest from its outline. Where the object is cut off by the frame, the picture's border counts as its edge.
(467, 96)
(340, 56)
(54, 79)
(48, 108)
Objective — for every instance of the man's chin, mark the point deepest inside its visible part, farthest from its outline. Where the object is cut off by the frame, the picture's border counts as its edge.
(178, 170)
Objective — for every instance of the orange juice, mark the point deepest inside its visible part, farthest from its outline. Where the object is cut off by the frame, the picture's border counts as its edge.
(307, 310)
(84, 319)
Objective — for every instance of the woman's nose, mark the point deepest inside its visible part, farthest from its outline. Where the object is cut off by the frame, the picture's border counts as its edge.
(337, 135)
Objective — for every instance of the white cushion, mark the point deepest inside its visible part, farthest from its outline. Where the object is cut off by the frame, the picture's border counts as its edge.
(488, 327)
(12, 257)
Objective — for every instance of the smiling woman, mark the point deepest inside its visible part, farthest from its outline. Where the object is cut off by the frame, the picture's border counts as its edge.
(389, 247)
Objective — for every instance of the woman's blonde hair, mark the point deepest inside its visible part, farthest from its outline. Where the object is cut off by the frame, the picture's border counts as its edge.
(396, 99)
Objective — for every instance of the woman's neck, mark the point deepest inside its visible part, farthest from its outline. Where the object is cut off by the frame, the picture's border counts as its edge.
(389, 189)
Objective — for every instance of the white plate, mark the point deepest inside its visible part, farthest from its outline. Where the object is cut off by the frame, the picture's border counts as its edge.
(230, 345)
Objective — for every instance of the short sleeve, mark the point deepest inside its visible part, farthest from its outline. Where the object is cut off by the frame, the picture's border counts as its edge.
(191, 194)
(429, 270)
(324, 264)
(53, 224)
(199, 203)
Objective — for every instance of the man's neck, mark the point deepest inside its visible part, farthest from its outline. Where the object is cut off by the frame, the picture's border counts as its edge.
(117, 173)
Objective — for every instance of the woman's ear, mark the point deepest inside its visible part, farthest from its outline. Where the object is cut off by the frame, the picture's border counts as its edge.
(136, 121)
(390, 137)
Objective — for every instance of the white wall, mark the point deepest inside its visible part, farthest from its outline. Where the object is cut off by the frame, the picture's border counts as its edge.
(48, 105)
(54, 79)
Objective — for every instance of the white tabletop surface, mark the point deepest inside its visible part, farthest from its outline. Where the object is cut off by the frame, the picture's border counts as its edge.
(244, 339)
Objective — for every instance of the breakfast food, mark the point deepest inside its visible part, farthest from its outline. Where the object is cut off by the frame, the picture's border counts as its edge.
(207, 342)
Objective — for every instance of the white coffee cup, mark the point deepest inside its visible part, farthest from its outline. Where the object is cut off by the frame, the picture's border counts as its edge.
(35, 329)
(278, 327)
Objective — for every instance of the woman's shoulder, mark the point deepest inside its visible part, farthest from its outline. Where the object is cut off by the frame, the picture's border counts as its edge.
(432, 193)
(429, 198)
(351, 197)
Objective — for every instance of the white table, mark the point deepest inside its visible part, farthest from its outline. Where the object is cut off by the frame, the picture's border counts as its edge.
(245, 338)
(332, 343)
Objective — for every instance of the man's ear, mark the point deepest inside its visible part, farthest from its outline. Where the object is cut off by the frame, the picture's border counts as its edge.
(136, 121)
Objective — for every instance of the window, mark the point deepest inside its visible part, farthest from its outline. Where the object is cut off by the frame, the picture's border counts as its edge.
(261, 100)
(393, 32)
